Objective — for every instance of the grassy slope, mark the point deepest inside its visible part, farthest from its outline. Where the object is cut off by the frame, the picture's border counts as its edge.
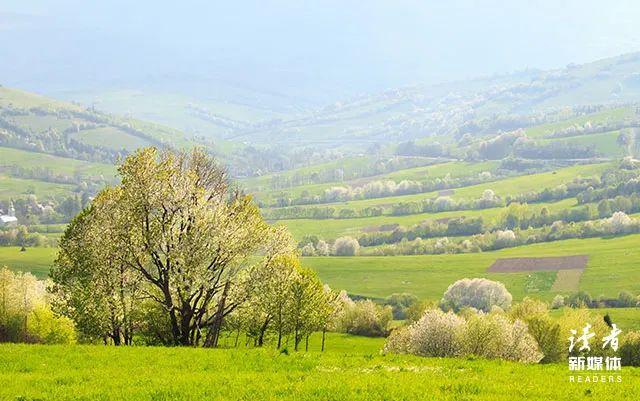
(111, 138)
(454, 169)
(34, 260)
(11, 187)
(62, 165)
(612, 268)
(610, 115)
(334, 228)
(62, 373)
(509, 186)
(25, 100)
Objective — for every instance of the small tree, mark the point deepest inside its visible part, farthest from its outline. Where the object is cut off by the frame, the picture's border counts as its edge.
(558, 302)
(309, 306)
(346, 246)
(365, 318)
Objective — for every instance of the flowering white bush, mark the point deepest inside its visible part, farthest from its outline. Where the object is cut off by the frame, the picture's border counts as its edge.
(505, 238)
(322, 248)
(558, 302)
(488, 195)
(346, 246)
(308, 250)
(478, 293)
(619, 222)
(435, 334)
(439, 334)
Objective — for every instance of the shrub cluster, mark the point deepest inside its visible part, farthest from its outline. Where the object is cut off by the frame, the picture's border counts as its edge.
(440, 334)
(25, 313)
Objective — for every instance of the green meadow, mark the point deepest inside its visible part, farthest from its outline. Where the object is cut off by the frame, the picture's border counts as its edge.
(11, 187)
(34, 260)
(65, 373)
(60, 165)
(333, 228)
(509, 186)
(613, 267)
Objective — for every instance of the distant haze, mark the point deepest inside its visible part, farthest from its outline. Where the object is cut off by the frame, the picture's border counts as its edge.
(311, 51)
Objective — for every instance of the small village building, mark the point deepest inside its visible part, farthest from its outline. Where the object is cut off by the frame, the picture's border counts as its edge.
(9, 219)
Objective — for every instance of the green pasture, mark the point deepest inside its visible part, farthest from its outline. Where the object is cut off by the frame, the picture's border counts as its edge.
(112, 138)
(614, 266)
(610, 115)
(60, 165)
(12, 187)
(440, 170)
(605, 143)
(34, 260)
(334, 228)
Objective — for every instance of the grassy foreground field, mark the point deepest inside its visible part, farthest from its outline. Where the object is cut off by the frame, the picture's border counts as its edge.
(34, 372)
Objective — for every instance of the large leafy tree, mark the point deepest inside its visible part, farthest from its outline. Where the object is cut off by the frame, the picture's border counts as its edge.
(179, 234)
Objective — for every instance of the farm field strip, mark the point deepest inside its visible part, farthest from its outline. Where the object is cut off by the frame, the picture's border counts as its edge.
(510, 186)
(11, 187)
(567, 280)
(333, 228)
(613, 267)
(439, 170)
(61, 165)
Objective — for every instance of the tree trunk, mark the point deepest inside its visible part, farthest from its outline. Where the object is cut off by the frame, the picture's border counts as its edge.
(213, 332)
(306, 344)
(279, 337)
(324, 333)
(263, 329)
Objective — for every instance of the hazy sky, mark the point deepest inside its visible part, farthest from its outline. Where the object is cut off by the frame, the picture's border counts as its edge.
(302, 46)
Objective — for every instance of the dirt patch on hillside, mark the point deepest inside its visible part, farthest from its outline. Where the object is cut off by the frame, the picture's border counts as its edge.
(514, 265)
(446, 192)
(567, 280)
(384, 227)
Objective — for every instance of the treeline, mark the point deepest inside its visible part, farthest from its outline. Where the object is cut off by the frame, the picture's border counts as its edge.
(588, 128)
(386, 188)
(480, 325)
(516, 216)
(349, 171)
(518, 144)
(48, 175)
(20, 236)
(618, 224)
(487, 200)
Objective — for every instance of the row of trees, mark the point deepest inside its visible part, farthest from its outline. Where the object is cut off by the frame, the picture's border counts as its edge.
(443, 203)
(385, 188)
(618, 224)
(515, 216)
